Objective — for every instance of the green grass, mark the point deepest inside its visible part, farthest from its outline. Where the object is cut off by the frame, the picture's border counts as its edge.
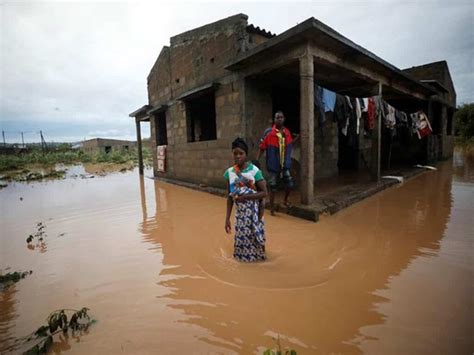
(17, 162)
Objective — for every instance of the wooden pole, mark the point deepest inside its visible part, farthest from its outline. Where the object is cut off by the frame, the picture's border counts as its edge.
(139, 145)
(377, 139)
(42, 142)
(307, 127)
(431, 139)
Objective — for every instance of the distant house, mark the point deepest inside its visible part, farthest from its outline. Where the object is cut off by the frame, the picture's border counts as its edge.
(102, 145)
(76, 146)
(228, 78)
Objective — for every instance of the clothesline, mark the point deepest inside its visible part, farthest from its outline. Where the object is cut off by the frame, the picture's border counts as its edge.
(348, 113)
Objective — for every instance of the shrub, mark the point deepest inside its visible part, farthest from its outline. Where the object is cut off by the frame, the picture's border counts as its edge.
(464, 122)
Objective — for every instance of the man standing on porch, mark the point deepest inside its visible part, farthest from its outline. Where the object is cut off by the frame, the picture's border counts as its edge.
(277, 142)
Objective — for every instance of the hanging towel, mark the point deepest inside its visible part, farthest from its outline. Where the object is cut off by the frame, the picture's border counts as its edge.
(328, 99)
(365, 104)
(358, 112)
(348, 115)
(390, 120)
(341, 111)
(371, 114)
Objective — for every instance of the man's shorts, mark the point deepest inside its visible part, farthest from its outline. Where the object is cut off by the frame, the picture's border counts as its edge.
(274, 179)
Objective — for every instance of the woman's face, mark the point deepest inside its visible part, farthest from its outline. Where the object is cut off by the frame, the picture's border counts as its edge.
(239, 156)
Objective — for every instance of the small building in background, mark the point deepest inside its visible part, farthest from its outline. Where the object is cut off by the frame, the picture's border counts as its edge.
(102, 145)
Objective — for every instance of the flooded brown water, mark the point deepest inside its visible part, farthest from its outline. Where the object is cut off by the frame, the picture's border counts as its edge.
(391, 274)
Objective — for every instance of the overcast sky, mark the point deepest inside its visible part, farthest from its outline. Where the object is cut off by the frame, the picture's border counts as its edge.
(77, 69)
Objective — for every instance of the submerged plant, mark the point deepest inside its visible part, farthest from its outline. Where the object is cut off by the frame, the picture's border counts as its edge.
(36, 240)
(278, 351)
(39, 234)
(57, 322)
(12, 277)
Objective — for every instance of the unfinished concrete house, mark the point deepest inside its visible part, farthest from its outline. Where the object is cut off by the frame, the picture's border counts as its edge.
(103, 145)
(228, 78)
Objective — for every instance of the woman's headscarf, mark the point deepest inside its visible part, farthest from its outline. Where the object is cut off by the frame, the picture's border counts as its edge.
(240, 143)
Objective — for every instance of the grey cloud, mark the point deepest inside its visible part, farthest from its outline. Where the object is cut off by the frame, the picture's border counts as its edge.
(91, 60)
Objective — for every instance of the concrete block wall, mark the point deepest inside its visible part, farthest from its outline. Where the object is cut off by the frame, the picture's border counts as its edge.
(97, 145)
(203, 162)
(196, 58)
(159, 90)
(365, 149)
(326, 153)
(436, 71)
(258, 113)
(256, 39)
(153, 128)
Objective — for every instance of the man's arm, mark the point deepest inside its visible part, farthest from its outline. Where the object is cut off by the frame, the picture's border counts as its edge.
(263, 143)
(296, 138)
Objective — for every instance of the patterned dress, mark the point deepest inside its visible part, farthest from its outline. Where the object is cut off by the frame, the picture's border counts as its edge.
(249, 240)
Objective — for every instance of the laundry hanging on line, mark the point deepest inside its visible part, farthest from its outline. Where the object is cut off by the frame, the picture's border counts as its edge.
(348, 112)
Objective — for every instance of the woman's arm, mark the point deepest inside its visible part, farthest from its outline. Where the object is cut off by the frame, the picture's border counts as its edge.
(261, 192)
(261, 208)
(229, 204)
(262, 186)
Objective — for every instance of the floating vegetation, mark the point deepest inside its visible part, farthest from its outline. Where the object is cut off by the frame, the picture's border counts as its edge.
(39, 234)
(37, 240)
(278, 351)
(12, 277)
(60, 321)
(26, 175)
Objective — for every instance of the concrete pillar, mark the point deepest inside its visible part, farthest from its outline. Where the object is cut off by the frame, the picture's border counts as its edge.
(376, 141)
(139, 146)
(143, 198)
(307, 127)
(153, 140)
(431, 140)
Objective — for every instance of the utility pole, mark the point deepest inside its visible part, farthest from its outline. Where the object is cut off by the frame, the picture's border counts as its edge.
(3, 134)
(43, 142)
(22, 140)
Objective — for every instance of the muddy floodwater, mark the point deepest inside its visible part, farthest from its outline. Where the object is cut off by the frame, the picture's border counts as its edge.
(390, 275)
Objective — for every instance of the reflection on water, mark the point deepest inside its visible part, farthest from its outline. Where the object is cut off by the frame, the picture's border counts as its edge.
(463, 164)
(156, 269)
(318, 287)
(7, 316)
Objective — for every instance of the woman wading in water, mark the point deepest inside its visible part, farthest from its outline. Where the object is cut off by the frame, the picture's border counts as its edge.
(247, 189)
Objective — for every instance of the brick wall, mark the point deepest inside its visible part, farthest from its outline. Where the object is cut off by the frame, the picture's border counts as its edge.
(326, 147)
(159, 90)
(202, 162)
(258, 112)
(193, 59)
(435, 71)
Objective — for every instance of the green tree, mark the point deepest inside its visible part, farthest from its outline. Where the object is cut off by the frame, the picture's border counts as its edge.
(464, 122)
